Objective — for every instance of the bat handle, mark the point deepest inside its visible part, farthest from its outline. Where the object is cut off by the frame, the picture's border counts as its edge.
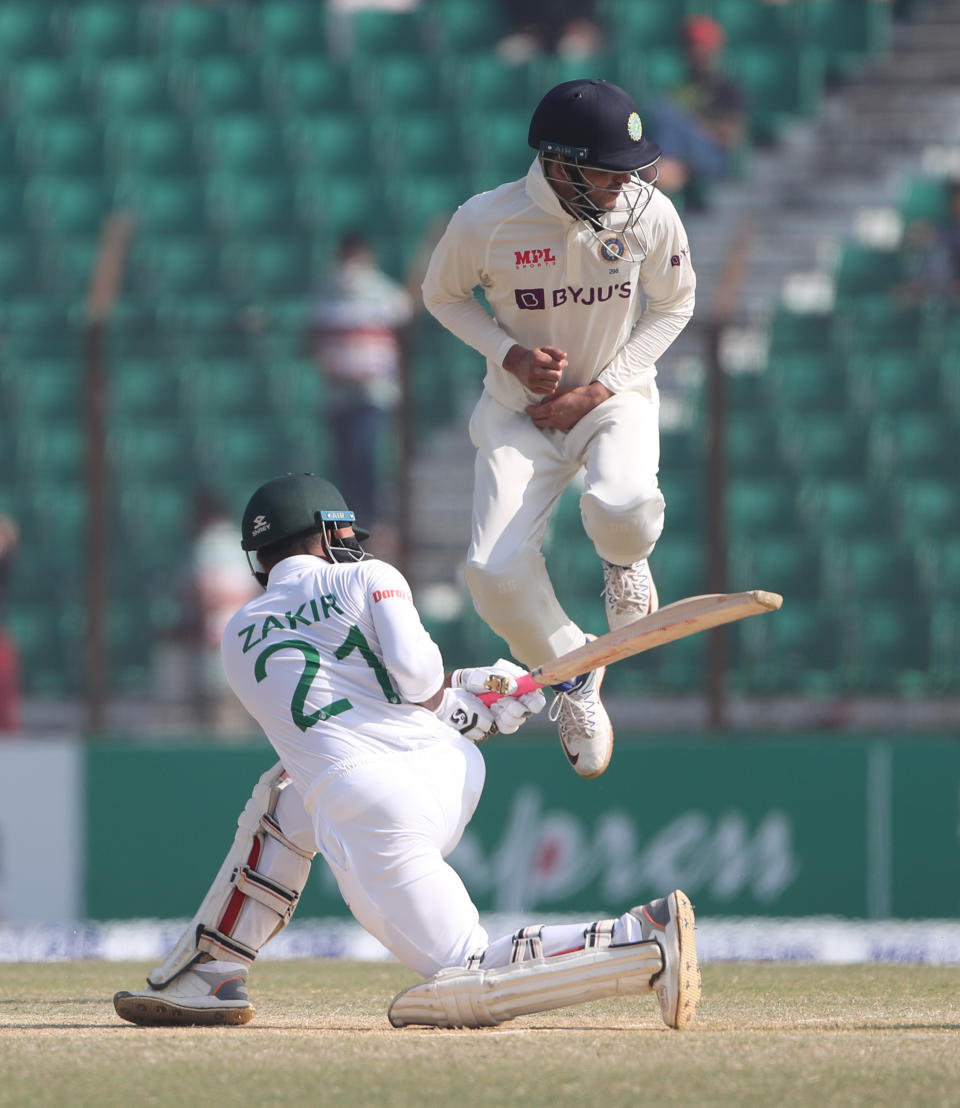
(525, 684)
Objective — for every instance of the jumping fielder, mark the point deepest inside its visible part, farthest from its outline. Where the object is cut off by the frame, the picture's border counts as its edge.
(586, 268)
(379, 771)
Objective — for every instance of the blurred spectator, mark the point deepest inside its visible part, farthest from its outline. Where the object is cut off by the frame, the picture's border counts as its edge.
(702, 121)
(355, 339)
(9, 656)
(216, 583)
(567, 28)
(931, 252)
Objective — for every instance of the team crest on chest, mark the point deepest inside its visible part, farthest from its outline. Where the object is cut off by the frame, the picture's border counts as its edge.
(613, 248)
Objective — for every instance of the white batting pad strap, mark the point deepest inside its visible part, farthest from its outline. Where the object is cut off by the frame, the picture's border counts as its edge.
(599, 935)
(269, 824)
(270, 893)
(218, 945)
(459, 997)
(527, 944)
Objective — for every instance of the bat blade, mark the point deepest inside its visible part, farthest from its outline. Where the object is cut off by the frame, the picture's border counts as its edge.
(667, 624)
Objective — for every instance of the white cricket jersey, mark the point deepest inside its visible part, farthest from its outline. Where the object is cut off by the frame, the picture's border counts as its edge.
(330, 661)
(549, 280)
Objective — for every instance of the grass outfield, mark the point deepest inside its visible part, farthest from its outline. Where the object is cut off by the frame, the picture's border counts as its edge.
(767, 1035)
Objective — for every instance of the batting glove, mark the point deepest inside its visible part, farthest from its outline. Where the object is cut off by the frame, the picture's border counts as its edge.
(466, 714)
(509, 711)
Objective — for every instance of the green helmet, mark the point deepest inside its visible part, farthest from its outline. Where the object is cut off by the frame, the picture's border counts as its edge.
(289, 505)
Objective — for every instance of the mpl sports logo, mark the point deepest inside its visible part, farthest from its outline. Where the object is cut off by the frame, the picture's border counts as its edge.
(534, 259)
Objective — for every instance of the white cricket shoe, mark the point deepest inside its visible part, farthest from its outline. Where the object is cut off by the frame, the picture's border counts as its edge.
(669, 921)
(201, 996)
(586, 733)
(629, 593)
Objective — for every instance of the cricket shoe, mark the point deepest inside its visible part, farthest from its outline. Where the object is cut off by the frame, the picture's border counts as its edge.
(586, 733)
(669, 922)
(628, 592)
(206, 995)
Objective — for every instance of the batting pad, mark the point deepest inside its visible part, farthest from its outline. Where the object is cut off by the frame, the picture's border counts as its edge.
(458, 997)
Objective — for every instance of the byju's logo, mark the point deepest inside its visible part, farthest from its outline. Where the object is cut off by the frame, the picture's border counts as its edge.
(531, 300)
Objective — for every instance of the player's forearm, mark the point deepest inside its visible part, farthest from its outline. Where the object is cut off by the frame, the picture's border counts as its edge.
(467, 319)
(653, 335)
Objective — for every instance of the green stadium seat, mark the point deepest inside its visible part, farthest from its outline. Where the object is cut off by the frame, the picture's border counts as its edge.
(794, 650)
(61, 144)
(923, 198)
(800, 332)
(373, 33)
(751, 443)
(286, 31)
(848, 31)
(650, 70)
(938, 567)
(63, 204)
(182, 29)
(926, 509)
(781, 80)
(36, 325)
(886, 647)
(149, 448)
(44, 389)
(165, 264)
(759, 505)
(203, 323)
(142, 387)
(427, 142)
(862, 269)
(839, 507)
(679, 566)
(219, 84)
(307, 85)
(20, 268)
(462, 28)
(684, 496)
(220, 388)
(151, 144)
(25, 32)
(909, 444)
(243, 204)
(893, 381)
(788, 563)
(643, 23)
(100, 28)
(52, 451)
(806, 381)
(874, 324)
(165, 205)
(243, 142)
(330, 143)
(869, 568)
(496, 149)
(746, 21)
(268, 266)
(398, 85)
(833, 444)
(44, 86)
(482, 82)
(424, 204)
(127, 87)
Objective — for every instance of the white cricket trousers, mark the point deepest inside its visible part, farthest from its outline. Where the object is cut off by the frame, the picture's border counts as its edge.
(384, 827)
(520, 473)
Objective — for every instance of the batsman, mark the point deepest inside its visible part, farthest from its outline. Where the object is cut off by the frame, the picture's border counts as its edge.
(586, 268)
(380, 773)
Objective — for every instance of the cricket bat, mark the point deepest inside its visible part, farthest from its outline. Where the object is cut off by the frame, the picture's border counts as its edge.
(671, 622)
